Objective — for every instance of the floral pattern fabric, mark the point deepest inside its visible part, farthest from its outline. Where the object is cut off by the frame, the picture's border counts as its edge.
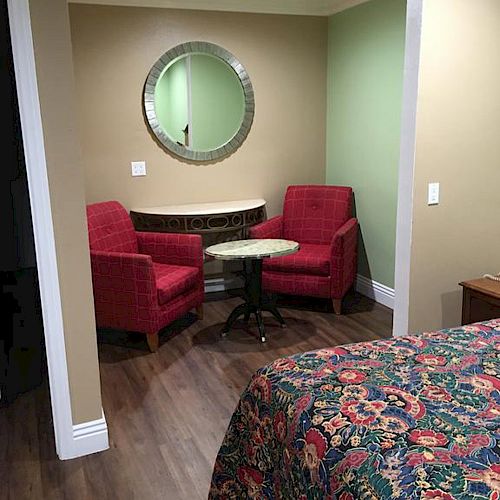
(413, 417)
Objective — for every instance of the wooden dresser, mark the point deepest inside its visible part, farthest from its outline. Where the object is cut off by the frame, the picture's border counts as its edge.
(481, 300)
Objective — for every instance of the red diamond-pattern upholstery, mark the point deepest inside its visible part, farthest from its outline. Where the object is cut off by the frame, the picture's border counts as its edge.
(142, 281)
(320, 218)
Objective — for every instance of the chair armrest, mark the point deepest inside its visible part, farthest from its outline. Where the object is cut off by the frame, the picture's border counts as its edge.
(344, 248)
(271, 228)
(118, 274)
(172, 248)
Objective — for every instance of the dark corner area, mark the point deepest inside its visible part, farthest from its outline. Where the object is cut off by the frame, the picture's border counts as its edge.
(22, 353)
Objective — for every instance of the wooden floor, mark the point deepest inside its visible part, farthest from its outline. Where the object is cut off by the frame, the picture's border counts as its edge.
(167, 412)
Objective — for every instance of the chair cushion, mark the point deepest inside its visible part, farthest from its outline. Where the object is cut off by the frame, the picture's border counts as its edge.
(172, 280)
(310, 259)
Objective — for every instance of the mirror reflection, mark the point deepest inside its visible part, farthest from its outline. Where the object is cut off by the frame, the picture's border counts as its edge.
(199, 102)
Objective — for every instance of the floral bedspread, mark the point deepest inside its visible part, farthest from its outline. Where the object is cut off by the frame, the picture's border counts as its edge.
(413, 417)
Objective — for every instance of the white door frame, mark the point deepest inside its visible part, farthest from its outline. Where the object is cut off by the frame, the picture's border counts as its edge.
(407, 167)
(70, 440)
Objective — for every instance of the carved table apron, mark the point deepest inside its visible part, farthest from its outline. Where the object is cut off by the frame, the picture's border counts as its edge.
(216, 222)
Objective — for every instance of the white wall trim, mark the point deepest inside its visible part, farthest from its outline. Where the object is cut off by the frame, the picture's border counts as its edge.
(41, 210)
(377, 291)
(215, 285)
(406, 167)
(222, 284)
(90, 437)
(189, 100)
(374, 290)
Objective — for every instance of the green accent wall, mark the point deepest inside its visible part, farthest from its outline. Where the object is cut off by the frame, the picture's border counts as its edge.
(364, 93)
(171, 100)
(218, 102)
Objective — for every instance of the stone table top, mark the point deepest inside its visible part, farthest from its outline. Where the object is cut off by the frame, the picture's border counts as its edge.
(252, 249)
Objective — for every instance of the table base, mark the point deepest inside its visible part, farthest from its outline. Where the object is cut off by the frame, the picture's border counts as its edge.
(254, 303)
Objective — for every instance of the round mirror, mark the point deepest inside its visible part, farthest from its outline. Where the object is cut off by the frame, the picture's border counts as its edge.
(199, 101)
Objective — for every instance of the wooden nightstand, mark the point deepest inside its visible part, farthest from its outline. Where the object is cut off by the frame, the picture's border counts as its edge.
(481, 300)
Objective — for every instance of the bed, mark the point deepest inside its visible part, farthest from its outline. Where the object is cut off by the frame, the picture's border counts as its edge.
(413, 417)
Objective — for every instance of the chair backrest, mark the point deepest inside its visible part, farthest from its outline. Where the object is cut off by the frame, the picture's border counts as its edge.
(313, 213)
(110, 228)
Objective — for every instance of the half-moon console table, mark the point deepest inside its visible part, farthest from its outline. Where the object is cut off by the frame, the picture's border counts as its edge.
(216, 222)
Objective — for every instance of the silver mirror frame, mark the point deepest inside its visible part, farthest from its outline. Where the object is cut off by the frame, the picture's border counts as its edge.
(149, 104)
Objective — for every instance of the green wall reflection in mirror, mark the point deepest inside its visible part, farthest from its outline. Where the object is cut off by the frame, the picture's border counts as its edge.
(200, 103)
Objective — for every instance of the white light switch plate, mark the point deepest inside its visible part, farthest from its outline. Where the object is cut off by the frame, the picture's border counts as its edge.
(433, 193)
(138, 168)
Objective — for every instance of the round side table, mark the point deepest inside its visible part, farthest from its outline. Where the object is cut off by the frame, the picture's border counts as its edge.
(252, 252)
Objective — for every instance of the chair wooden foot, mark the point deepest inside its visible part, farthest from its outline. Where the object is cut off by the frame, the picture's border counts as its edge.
(153, 341)
(199, 311)
(337, 306)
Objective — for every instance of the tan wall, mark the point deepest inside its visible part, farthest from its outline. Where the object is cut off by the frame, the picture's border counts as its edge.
(458, 145)
(51, 38)
(114, 49)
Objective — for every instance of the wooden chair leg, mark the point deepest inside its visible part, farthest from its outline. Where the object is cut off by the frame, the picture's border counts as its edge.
(337, 306)
(153, 341)
(199, 311)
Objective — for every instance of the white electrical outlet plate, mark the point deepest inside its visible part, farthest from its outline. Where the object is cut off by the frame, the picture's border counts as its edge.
(138, 168)
(433, 193)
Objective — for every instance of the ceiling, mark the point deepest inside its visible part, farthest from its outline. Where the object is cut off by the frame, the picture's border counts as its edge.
(297, 7)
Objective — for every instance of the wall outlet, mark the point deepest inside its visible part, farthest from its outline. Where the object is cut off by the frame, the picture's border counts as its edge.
(138, 168)
(433, 193)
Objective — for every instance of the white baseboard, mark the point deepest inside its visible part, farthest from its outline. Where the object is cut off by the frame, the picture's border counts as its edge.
(222, 284)
(89, 437)
(377, 291)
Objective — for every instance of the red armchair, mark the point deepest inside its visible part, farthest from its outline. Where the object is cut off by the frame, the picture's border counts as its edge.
(142, 281)
(320, 219)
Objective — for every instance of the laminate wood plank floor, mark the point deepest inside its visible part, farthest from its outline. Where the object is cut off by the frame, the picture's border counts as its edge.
(167, 412)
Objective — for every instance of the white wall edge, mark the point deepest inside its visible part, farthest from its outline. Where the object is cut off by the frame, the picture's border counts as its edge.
(34, 152)
(404, 224)
(376, 291)
(90, 437)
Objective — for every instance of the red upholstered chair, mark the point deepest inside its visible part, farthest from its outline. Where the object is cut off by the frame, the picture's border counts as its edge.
(320, 219)
(142, 281)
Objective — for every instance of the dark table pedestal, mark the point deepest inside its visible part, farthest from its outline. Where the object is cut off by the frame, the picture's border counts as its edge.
(255, 300)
